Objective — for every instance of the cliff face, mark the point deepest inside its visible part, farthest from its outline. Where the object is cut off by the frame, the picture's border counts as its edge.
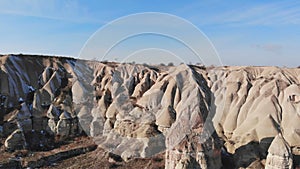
(200, 118)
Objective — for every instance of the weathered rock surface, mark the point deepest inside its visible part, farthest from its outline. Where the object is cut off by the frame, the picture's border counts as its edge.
(197, 116)
(255, 104)
(279, 154)
(36, 99)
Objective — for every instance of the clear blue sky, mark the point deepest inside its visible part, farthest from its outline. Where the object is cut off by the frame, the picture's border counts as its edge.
(244, 32)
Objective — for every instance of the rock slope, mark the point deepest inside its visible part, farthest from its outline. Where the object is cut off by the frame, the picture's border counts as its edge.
(234, 117)
(254, 105)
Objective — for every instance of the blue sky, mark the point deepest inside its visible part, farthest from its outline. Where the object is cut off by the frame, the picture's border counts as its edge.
(243, 32)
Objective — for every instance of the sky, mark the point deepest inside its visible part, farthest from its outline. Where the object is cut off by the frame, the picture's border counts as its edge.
(256, 33)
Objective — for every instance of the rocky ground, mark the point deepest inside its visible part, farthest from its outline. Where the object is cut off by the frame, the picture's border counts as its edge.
(59, 112)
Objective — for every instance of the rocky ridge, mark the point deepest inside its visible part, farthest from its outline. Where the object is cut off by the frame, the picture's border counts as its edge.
(200, 117)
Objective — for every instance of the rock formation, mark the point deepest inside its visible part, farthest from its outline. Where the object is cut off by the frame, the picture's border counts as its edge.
(198, 116)
(279, 154)
(254, 105)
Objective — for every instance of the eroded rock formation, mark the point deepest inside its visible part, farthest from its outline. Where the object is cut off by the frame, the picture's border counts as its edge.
(200, 118)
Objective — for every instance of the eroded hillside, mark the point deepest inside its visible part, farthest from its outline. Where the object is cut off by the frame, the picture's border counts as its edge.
(226, 117)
